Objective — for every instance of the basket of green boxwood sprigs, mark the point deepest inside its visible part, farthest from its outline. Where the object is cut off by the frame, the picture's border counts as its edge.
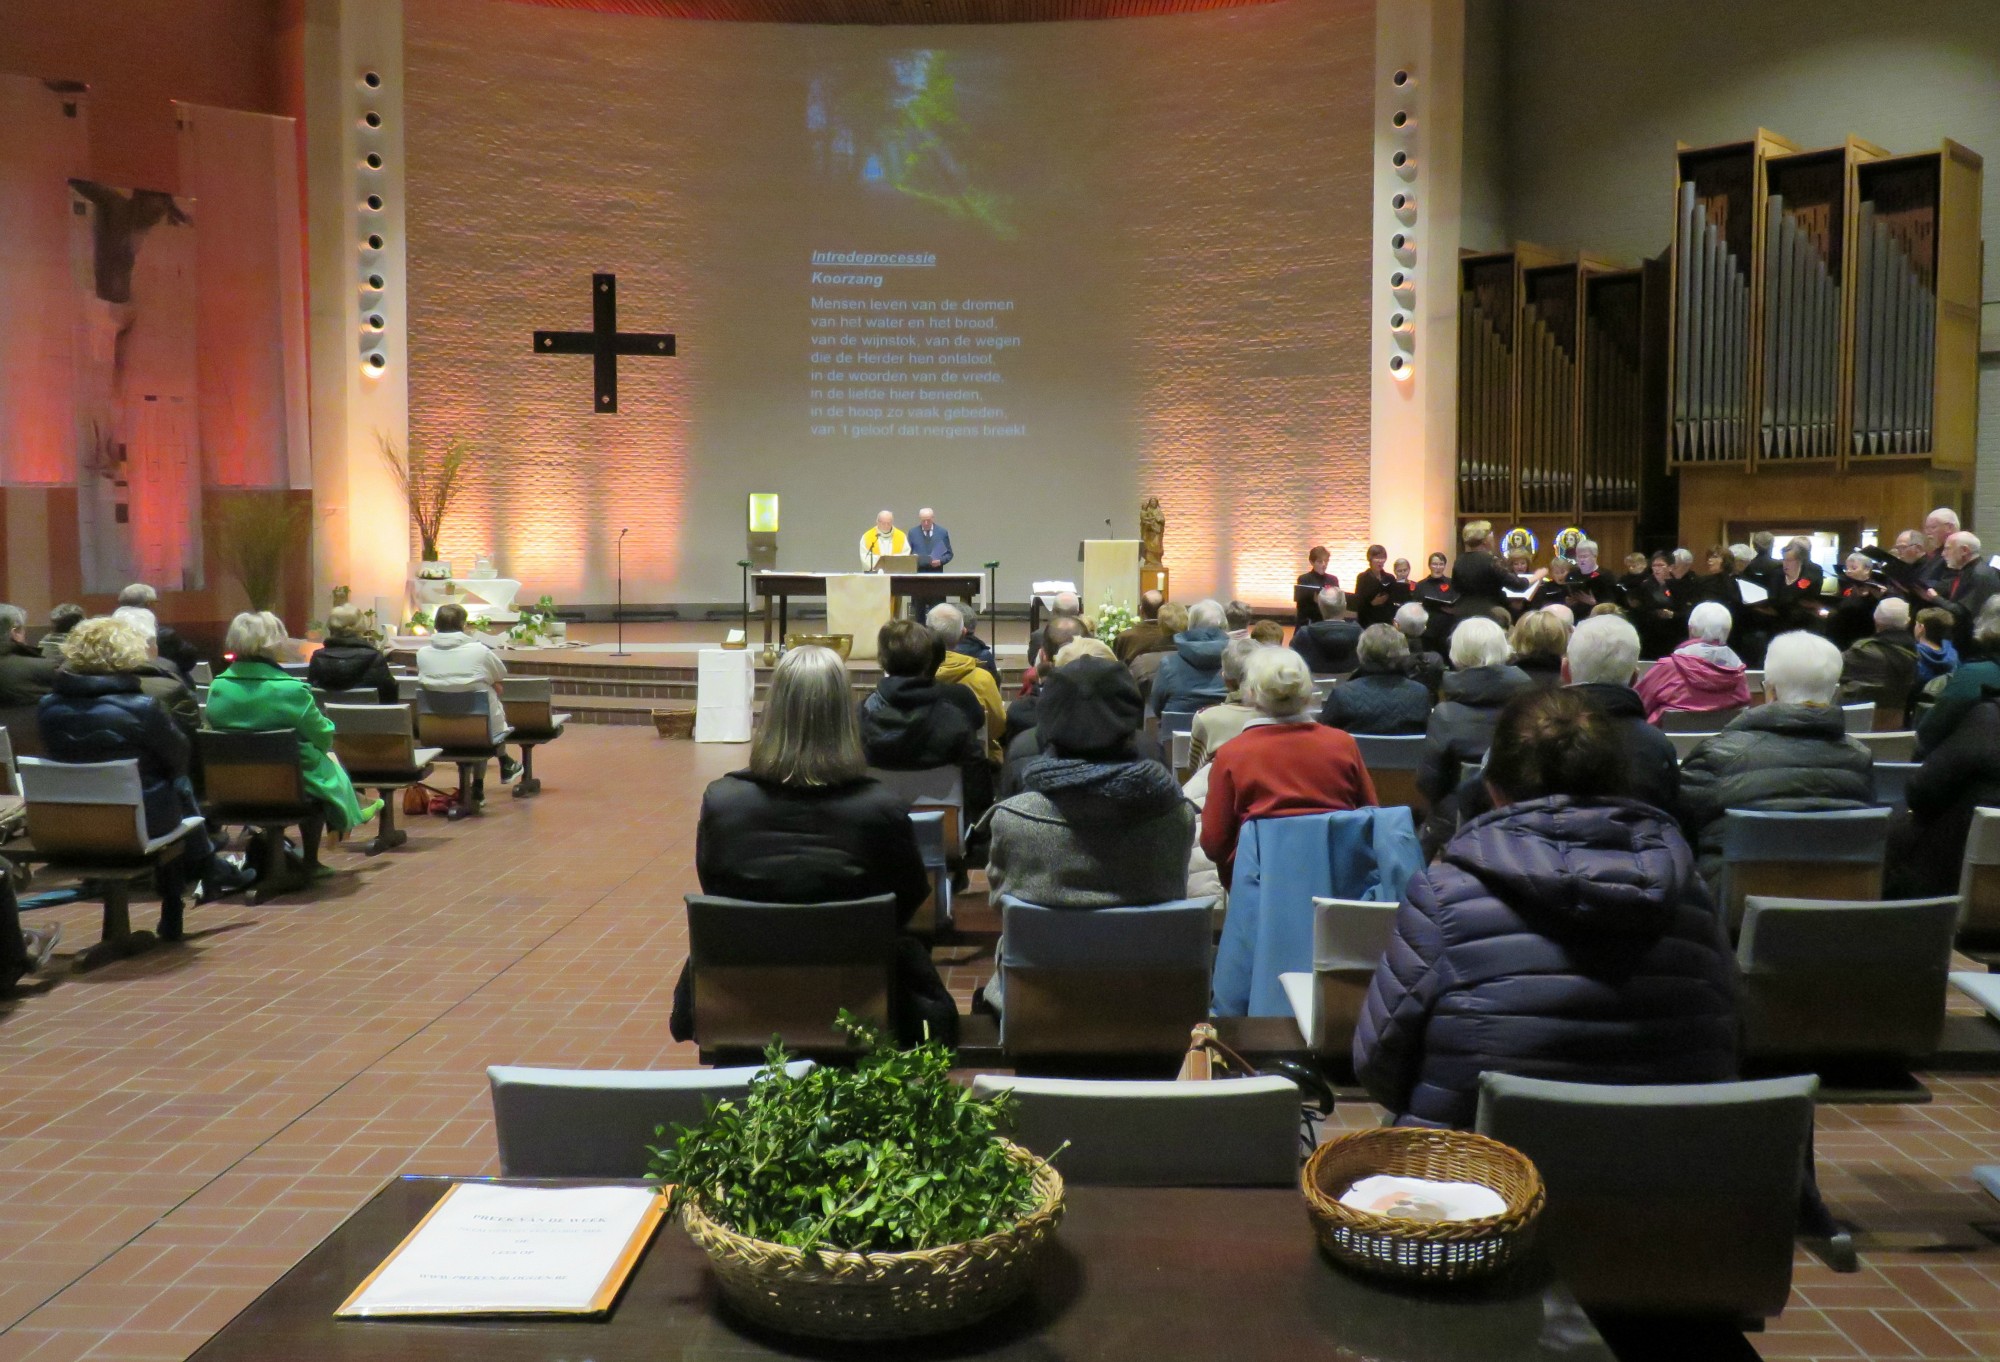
(872, 1202)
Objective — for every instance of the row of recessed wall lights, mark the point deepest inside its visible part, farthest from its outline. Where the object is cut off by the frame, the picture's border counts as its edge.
(370, 240)
(1402, 264)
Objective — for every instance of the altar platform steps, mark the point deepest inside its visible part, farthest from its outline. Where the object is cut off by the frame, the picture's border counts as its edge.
(595, 689)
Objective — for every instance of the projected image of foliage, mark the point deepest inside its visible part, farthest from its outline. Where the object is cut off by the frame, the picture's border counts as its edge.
(905, 131)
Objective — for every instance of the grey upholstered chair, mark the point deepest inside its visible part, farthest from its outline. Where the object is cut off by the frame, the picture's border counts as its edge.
(933, 827)
(532, 721)
(457, 723)
(787, 970)
(1349, 937)
(1702, 721)
(599, 1123)
(1835, 980)
(1892, 783)
(1392, 766)
(1113, 981)
(378, 749)
(1674, 1200)
(1233, 1132)
(1837, 854)
(1898, 744)
(1859, 718)
(1979, 880)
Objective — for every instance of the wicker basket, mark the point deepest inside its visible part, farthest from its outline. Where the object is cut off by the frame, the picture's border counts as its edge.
(835, 1295)
(1415, 1250)
(674, 723)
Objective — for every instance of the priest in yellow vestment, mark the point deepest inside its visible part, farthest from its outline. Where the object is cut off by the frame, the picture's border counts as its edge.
(885, 538)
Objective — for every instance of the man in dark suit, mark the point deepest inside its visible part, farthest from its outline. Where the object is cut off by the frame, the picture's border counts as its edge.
(1965, 584)
(930, 542)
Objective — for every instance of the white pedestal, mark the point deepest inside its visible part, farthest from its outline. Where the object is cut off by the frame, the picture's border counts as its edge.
(724, 686)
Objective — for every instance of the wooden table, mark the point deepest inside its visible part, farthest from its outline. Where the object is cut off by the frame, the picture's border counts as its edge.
(783, 586)
(1145, 1274)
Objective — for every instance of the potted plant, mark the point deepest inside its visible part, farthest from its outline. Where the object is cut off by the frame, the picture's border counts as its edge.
(874, 1202)
(430, 478)
(538, 623)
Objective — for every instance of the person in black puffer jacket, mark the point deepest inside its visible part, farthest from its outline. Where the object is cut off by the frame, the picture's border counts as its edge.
(1566, 935)
(912, 723)
(97, 712)
(1461, 725)
(1381, 698)
(348, 661)
(1791, 755)
(804, 823)
(1328, 644)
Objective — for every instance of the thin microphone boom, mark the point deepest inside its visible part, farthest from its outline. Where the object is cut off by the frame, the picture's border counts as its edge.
(618, 611)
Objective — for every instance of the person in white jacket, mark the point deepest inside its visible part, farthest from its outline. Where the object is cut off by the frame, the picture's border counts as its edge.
(456, 661)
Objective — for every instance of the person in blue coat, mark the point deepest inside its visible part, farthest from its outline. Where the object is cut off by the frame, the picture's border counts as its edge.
(1566, 935)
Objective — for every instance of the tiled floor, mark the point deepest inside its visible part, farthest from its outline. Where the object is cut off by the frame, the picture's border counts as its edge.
(177, 1130)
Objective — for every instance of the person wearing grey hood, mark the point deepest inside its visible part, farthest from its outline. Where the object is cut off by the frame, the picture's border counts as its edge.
(1094, 826)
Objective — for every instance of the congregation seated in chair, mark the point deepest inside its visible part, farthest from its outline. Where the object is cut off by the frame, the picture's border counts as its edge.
(804, 824)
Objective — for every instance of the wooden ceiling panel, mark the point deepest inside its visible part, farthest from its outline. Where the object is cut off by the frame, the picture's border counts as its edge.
(895, 11)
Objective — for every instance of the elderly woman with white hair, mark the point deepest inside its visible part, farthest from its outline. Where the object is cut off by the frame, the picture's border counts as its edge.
(1702, 674)
(254, 694)
(1282, 763)
(1790, 755)
(1481, 683)
(1381, 698)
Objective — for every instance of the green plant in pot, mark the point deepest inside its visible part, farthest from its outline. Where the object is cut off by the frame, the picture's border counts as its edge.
(879, 1201)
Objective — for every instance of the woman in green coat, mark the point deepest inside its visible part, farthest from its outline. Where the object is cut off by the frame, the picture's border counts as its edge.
(256, 695)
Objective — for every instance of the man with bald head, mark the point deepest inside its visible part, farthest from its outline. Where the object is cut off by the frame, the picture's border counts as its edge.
(1148, 635)
(883, 540)
(1965, 583)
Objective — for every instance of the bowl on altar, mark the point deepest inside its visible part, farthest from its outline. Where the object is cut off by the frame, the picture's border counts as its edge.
(840, 643)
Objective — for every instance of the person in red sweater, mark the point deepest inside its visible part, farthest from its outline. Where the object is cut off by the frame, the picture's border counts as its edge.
(1282, 763)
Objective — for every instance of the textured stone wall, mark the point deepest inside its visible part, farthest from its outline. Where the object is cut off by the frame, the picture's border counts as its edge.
(1193, 298)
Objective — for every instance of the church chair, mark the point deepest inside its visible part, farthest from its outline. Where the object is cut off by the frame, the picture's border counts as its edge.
(254, 780)
(531, 721)
(407, 686)
(1349, 937)
(1676, 1202)
(1859, 718)
(345, 697)
(203, 674)
(1844, 980)
(1234, 1132)
(24, 729)
(938, 787)
(1685, 743)
(1183, 753)
(12, 806)
(787, 970)
(599, 1123)
(377, 748)
(1703, 721)
(1892, 745)
(1112, 982)
(932, 840)
(1837, 854)
(1892, 782)
(1179, 720)
(1392, 766)
(88, 820)
(1979, 882)
(456, 723)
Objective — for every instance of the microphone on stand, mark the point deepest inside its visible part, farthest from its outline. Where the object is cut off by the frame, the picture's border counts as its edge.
(618, 611)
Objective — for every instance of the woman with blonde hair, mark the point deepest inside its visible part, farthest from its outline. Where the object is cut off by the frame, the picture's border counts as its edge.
(255, 695)
(1539, 639)
(348, 660)
(806, 823)
(1282, 763)
(97, 712)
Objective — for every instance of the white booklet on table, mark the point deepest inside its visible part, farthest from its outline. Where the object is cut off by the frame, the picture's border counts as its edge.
(490, 1249)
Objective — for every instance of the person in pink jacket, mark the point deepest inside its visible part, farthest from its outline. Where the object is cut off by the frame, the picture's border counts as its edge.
(1702, 674)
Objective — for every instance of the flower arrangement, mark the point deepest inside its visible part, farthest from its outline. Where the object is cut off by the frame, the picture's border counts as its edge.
(1113, 619)
(430, 478)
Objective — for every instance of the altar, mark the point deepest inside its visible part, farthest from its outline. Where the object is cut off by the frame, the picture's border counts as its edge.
(484, 598)
(850, 598)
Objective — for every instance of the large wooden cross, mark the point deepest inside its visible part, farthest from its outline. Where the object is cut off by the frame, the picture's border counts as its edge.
(604, 341)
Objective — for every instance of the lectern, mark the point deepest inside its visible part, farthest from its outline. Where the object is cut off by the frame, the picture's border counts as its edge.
(1110, 572)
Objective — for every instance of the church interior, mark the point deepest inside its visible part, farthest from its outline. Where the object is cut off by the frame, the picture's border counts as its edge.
(832, 678)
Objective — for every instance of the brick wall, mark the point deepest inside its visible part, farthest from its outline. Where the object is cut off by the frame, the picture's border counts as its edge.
(1192, 285)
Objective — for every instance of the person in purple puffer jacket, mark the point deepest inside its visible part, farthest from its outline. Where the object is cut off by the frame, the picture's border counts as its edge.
(1566, 935)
